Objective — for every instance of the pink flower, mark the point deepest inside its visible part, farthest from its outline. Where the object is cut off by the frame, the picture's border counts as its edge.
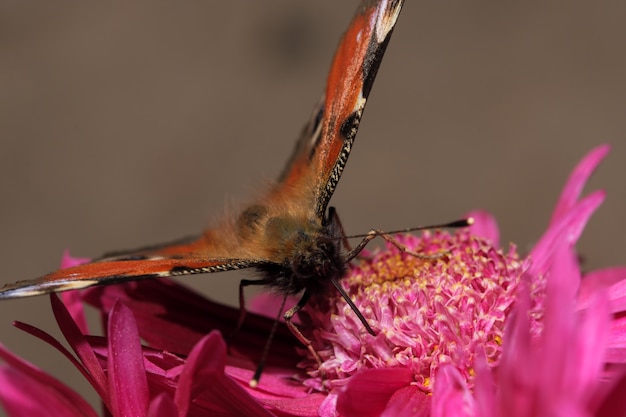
(474, 331)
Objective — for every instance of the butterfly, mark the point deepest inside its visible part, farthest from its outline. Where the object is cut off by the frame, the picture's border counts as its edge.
(289, 236)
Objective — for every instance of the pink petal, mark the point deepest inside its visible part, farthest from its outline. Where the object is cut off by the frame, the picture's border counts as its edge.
(368, 392)
(307, 405)
(28, 391)
(615, 403)
(566, 230)
(611, 279)
(81, 346)
(74, 303)
(128, 386)
(72, 299)
(22, 396)
(451, 397)
(173, 318)
(516, 373)
(560, 324)
(590, 352)
(41, 335)
(616, 348)
(162, 406)
(267, 303)
(408, 402)
(329, 406)
(485, 387)
(485, 226)
(577, 180)
(68, 261)
(203, 383)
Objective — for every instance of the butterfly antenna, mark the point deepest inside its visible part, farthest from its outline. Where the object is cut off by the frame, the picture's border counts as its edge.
(457, 224)
(266, 349)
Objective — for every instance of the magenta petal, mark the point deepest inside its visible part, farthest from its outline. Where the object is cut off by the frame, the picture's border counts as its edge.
(485, 226)
(73, 299)
(616, 350)
(485, 387)
(172, 317)
(162, 406)
(591, 351)
(368, 392)
(22, 396)
(576, 181)
(128, 386)
(408, 402)
(566, 230)
(451, 397)
(308, 405)
(68, 261)
(516, 371)
(611, 279)
(81, 346)
(202, 383)
(28, 391)
(560, 325)
(74, 303)
(615, 403)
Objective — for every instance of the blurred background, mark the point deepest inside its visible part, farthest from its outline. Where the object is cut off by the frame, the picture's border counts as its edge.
(129, 123)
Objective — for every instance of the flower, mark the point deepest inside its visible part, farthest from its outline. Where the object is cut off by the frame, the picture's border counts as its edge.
(462, 329)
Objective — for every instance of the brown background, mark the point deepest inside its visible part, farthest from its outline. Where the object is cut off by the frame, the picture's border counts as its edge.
(132, 123)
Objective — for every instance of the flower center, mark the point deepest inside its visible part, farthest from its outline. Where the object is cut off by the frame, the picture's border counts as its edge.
(426, 312)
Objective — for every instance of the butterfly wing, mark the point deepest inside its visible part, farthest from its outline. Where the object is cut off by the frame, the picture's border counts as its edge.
(324, 146)
(195, 257)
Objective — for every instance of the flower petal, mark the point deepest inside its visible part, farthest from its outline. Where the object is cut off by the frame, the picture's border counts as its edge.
(162, 406)
(577, 180)
(591, 351)
(73, 299)
(408, 402)
(451, 397)
(368, 392)
(485, 226)
(174, 318)
(516, 373)
(68, 261)
(128, 386)
(611, 279)
(203, 383)
(28, 391)
(81, 346)
(616, 349)
(566, 230)
(485, 387)
(615, 403)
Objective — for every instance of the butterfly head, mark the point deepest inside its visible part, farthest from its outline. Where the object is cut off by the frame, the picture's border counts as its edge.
(311, 258)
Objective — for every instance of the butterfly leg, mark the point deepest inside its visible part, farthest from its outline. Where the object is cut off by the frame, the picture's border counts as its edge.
(242, 300)
(288, 316)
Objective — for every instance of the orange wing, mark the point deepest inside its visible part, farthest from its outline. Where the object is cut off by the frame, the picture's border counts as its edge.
(164, 261)
(323, 149)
